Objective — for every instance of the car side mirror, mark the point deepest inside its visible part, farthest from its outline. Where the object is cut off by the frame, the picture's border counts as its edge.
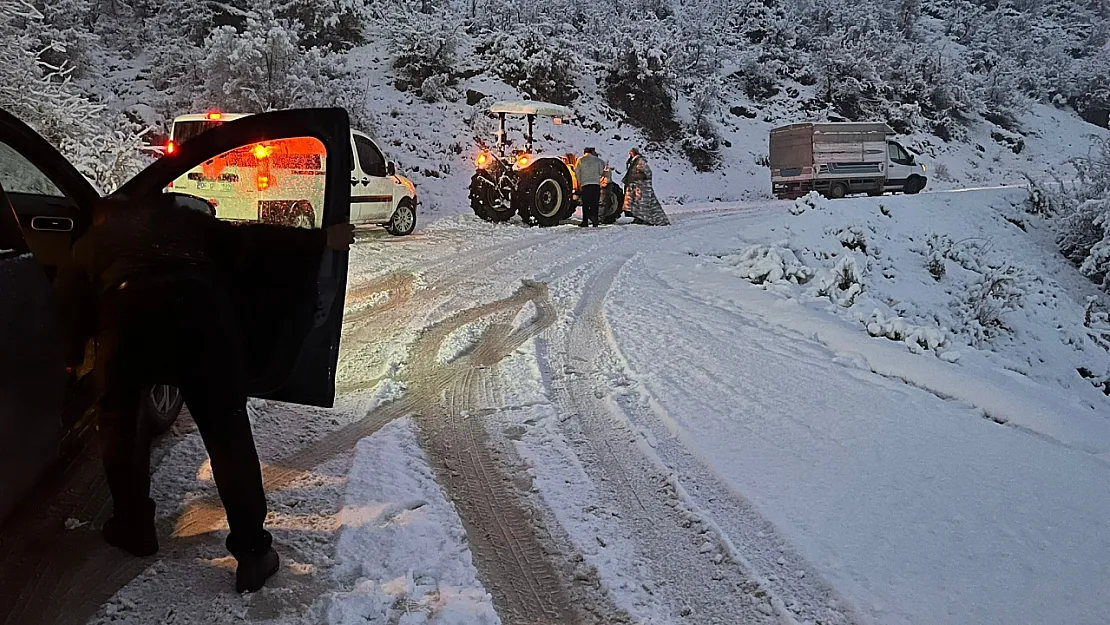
(192, 202)
(391, 168)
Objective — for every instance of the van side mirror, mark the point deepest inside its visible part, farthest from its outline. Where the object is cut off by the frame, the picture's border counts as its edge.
(391, 168)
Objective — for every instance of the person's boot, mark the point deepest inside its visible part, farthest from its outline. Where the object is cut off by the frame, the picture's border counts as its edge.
(134, 532)
(254, 570)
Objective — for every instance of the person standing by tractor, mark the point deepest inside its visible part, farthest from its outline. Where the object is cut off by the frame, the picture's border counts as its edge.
(588, 171)
(639, 197)
(154, 286)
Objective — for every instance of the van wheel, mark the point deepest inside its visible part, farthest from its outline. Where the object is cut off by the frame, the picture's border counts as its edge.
(403, 221)
(302, 216)
(876, 192)
(161, 407)
(913, 186)
(838, 191)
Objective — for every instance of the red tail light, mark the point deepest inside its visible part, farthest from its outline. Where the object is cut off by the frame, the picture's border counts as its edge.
(171, 147)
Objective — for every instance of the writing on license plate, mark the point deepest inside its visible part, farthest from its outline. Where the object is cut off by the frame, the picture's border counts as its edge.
(209, 185)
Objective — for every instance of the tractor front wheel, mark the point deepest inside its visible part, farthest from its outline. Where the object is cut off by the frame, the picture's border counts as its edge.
(486, 200)
(546, 194)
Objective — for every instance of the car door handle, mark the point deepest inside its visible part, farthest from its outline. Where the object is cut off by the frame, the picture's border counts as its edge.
(52, 224)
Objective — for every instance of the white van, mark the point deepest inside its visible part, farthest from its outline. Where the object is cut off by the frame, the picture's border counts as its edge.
(283, 182)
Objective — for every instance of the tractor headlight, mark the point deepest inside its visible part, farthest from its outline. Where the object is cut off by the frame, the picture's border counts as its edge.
(523, 161)
(483, 160)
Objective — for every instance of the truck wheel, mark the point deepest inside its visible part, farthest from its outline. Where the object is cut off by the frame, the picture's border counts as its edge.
(877, 191)
(913, 186)
(838, 191)
(546, 193)
(161, 407)
(486, 202)
(302, 216)
(403, 221)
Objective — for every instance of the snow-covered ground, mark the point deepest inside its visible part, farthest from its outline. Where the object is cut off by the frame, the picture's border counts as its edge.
(770, 412)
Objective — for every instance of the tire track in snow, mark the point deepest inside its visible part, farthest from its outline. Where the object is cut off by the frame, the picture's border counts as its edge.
(666, 522)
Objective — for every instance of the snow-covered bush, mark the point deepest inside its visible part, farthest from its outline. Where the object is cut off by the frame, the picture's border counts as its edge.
(852, 237)
(810, 201)
(104, 147)
(845, 283)
(988, 299)
(916, 337)
(937, 249)
(768, 264)
(437, 89)
(423, 48)
(536, 59)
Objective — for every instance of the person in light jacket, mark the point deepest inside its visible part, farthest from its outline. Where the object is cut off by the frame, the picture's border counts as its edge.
(639, 197)
(588, 171)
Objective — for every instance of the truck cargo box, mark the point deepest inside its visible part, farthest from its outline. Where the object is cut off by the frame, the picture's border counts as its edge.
(801, 154)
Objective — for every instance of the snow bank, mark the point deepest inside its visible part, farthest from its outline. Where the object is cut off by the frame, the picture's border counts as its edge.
(402, 543)
(967, 277)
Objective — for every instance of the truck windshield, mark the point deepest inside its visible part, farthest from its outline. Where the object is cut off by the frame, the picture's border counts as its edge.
(184, 131)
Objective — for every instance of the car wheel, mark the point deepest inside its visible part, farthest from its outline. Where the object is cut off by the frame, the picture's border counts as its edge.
(403, 221)
(913, 186)
(838, 191)
(161, 407)
(547, 195)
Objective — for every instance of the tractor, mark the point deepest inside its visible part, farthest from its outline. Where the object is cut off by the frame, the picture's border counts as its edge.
(541, 189)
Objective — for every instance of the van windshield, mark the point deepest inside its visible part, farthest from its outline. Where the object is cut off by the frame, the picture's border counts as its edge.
(184, 131)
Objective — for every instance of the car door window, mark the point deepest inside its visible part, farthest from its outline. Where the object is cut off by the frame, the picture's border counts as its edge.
(899, 155)
(369, 157)
(19, 175)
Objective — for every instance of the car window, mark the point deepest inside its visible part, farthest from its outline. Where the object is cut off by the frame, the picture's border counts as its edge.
(183, 131)
(278, 182)
(371, 160)
(18, 175)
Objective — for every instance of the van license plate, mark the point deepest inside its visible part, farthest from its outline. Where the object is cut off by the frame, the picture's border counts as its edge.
(208, 185)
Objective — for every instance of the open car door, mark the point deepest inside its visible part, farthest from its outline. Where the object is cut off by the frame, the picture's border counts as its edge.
(291, 304)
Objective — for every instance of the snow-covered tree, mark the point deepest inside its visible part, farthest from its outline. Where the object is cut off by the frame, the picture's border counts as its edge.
(103, 147)
(539, 60)
(262, 68)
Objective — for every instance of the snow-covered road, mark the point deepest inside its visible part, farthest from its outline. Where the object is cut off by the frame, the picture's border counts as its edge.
(617, 426)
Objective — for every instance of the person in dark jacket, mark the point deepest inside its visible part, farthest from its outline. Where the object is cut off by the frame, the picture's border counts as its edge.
(156, 286)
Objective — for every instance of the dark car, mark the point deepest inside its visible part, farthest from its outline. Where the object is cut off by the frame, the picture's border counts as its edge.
(291, 327)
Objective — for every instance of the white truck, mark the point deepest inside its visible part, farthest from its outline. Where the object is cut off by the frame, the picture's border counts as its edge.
(837, 159)
(282, 182)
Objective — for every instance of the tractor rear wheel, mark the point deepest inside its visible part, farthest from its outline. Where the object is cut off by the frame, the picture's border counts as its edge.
(546, 194)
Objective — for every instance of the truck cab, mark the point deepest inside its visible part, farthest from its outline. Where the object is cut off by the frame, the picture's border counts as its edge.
(839, 159)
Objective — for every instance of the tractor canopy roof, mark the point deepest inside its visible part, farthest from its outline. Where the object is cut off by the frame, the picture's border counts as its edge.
(530, 107)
